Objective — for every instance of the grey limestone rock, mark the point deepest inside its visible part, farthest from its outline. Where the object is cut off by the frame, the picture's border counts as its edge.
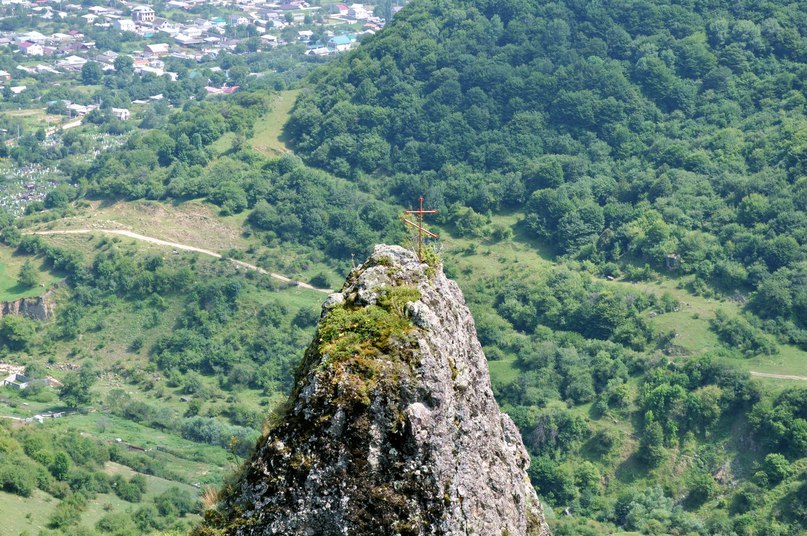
(392, 427)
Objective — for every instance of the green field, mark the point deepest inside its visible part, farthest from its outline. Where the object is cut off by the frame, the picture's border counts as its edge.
(268, 138)
(10, 265)
(25, 513)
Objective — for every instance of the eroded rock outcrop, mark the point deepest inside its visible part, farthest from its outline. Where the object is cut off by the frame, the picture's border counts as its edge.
(39, 308)
(392, 427)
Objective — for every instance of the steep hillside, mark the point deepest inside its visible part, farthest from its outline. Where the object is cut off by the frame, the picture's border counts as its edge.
(664, 133)
(622, 201)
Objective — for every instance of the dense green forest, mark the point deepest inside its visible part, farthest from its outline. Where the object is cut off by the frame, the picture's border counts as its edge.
(631, 137)
(636, 156)
(666, 133)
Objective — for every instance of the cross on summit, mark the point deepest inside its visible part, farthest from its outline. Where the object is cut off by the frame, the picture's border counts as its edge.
(419, 226)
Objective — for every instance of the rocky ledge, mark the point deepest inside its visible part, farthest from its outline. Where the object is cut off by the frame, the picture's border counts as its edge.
(391, 427)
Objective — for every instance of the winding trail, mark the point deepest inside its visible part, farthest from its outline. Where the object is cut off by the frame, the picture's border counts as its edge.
(185, 247)
(779, 376)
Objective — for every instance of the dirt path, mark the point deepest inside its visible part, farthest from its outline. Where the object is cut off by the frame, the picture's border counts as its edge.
(185, 247)
(779, 376)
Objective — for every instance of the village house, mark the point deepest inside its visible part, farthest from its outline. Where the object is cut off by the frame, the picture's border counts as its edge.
(71, 63)
(340, 43)
(157, 49)
(237, 20)
(319, 51)
(187, 40)
(58, 38)
(31, 49)
(121, 113)
(44, 12)
(269, 39)
(358, 12)
(179, 5)
(107, 57)
(80, 110)
(147, 69)
(142, 14)
(32, 37)
(46, 69)
(100, 10)
(293, 5)
(16, 381)
(125, 25)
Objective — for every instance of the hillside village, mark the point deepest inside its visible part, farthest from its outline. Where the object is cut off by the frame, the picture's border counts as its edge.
(68, 65)
(178, 32)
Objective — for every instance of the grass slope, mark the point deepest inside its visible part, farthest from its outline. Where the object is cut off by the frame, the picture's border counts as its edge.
(268, 138)
(19, 514)
(10, 265)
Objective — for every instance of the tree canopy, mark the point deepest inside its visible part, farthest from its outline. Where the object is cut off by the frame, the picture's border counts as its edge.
(627, 132)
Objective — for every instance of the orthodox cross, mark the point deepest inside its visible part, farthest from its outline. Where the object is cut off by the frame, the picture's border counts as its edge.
(419, 226)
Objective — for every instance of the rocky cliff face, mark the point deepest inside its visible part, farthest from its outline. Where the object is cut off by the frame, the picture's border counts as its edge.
(39, 308)
(392, 427)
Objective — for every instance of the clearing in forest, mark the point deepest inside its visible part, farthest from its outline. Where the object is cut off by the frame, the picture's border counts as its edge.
(268, 138)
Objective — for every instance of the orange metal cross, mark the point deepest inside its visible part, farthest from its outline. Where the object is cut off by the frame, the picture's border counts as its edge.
(419, 226)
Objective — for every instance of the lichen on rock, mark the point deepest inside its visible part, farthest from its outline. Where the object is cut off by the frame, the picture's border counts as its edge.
(391, 427)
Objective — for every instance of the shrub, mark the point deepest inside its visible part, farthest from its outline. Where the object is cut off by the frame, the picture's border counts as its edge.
(701, 488)
(17, 478)
(776, 467)
(175, 502)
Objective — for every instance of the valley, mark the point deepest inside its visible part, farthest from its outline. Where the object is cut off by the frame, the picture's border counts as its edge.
(621, 203)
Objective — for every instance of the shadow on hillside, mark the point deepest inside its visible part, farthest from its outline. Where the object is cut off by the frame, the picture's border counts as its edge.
(523, 234)
(631, 469)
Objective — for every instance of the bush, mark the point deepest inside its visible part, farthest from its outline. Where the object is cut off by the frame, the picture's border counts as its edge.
(776, 467)
(68, 512)
(651, 445)
(119, 524)
(146, 518)
(175, 502)
(701, 488)
(17, 478)
(305, 318)
(739, 333)
(321, 280)
(131, 491)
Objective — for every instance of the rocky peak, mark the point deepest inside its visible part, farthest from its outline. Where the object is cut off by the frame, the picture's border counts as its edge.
(391, 427)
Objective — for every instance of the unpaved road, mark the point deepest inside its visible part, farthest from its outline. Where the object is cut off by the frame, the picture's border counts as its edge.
(185, 247)
(779, 376)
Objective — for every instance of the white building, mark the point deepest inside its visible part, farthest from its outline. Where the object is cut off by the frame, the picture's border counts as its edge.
(157, 49)
(121, 113)
(125, 25)
(17, 381)
(142, 14)
(72, 63)
(31, 49)
(33, 37)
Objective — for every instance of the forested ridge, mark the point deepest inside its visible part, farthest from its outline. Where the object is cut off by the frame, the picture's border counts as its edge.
(666, 133)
